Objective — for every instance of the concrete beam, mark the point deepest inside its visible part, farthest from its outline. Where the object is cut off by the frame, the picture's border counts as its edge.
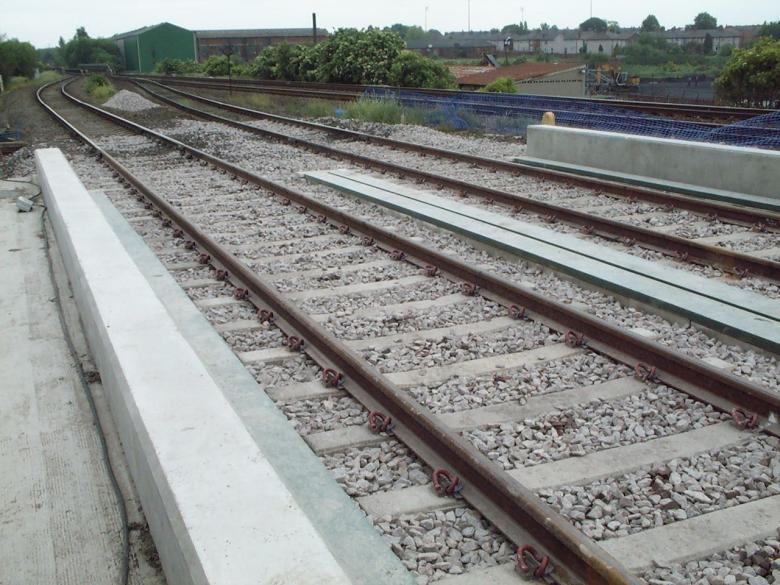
(739, 169)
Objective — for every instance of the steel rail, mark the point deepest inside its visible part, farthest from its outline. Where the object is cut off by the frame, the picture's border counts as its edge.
(735, 262)
(733, 212)
(649, 106)
(699, 379)
(511, 507)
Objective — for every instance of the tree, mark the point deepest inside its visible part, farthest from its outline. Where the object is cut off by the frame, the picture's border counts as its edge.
(501, 85)
(515, 29)
(17, 58)
(770, 29)
(544, 26)
(651, 24)
(83, 49)
(751, 77)
(707, 46)
(704, 21)
(411, 69)
(594, 24)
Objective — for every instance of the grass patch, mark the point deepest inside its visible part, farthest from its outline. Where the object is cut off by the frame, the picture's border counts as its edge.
(20, 82)
(99, 88)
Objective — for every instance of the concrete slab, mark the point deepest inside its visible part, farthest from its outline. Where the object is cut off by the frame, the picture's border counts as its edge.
(135, 345)
(59, 518)
(730, 310)
(698, 537)
(683, 188)
(752, 171)
(17, 188)
(500, 575)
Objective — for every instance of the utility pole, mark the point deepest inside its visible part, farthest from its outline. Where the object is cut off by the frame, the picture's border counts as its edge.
(468, 11)
(591, 8)
(426, 19)
(314, 26)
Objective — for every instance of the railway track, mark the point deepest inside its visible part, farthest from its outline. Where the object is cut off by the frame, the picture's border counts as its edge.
(636, 220)
(467, 376)
(340, 91)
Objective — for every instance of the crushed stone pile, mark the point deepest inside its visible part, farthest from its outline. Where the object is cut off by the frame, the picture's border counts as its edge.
(129, 101)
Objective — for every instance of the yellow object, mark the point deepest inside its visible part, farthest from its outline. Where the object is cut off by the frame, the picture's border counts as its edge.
(548, 119)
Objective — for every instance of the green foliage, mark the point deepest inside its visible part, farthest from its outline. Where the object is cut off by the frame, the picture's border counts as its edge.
(726, 50)
(352, 56)
(411, 69)
(515, 29)
(707, 45)
(648, 50)
(651, 24)
(383, 111)
(99, 87)
(594, 59)
(170, 66)
(276, 62)
(501, 85)
(704, 21)
(17, 58)
(83, 49)
(217, 66)
(770, 29)
(594, 24)
(752, 76)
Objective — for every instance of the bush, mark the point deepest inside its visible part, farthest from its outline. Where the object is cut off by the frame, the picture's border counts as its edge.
(17, 58)
(375, 110)
(752, 76)
(99, 87)
(82, 49)
(501, 85)
(352, 56)
(217, 66)
(176, 67)
(411, 69)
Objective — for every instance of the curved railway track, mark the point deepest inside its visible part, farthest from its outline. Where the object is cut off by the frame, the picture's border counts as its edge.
(341, 91)
(260, 259)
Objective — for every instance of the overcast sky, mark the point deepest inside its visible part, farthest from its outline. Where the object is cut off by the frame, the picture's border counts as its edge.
(42, 22)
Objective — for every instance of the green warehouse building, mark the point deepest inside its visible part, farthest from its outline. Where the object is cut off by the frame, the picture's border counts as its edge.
(141, 49)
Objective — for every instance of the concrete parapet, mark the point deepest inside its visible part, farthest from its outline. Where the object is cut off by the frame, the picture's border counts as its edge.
(731, 168)
(218, 510)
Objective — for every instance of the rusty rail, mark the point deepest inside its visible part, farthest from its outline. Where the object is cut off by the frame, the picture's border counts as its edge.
(735, 262)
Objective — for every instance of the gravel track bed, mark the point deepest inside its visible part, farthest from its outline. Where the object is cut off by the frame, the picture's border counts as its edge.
(335, 278)
(232, 312)
(430, 353)
(367, 470)
(752, 244)
(250, 339)
(291, 371)
(437, 544)
(708, 229)
(545, 283)
(179, 257)
(324, 414)
(199, 273)
(200, 293)
(334, 259)
(464, 393)
(593, 427)
(669, 492)
(345, 304)
(755, 563)
(303, 246)
(472, 310)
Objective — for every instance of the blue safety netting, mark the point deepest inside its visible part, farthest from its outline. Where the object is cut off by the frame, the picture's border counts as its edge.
(512, 113)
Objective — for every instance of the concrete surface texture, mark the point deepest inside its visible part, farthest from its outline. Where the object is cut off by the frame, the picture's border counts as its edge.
(217, 507)
(59, 521)
(731, 168)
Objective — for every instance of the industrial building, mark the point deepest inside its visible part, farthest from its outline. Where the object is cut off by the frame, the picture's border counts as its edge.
(561, 79)
(143, 48)
(248, 44)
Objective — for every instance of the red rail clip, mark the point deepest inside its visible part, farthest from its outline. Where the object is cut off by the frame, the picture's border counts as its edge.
(367, 241)
(397, 255)
(344, 229)
(322, 219)
(265, 316)
(294, 343)
(683, 256)
(469, 289)
(285, 202)
(177, 233)
(529, 561)
(332, 378)
(744, 418)
(742, 272)
(574, 339)
(190, 245)
(517, 312)
(301, 209)
(204, 258)
(587, 229)
(431, 270)
(166, 222)
(644, 372)
(446, 483)
(629, 241)
(241, 294)
(379, 422)
(222, 274)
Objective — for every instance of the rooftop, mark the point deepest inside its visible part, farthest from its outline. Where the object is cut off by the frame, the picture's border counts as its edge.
(258, 32)
(518, 72)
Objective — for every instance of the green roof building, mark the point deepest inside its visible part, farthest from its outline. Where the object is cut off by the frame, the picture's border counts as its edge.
(143, 48)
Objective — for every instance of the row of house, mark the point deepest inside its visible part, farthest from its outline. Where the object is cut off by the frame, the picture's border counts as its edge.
(570, 42)
(143, 48)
